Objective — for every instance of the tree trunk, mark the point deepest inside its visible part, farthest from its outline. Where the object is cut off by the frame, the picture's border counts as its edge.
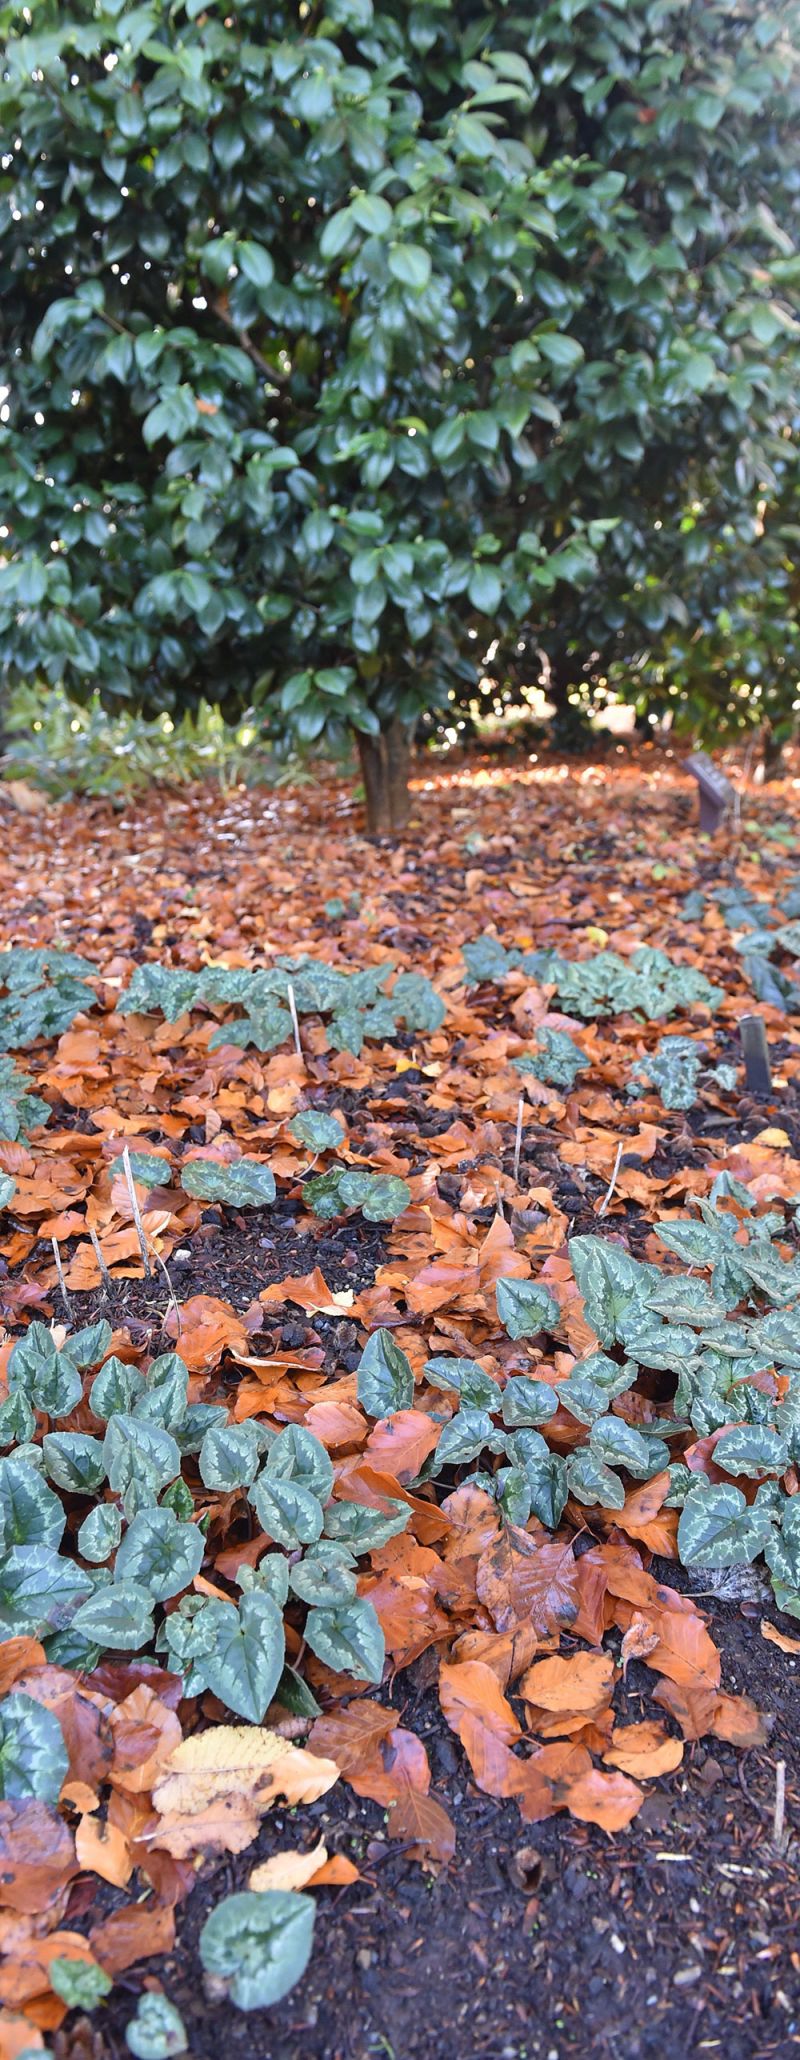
(385, 761)
(772, 753)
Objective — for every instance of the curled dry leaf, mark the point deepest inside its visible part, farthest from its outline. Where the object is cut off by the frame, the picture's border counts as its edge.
(246, 1761)
(779, 1638)
(289, 1870)
(644, 1750)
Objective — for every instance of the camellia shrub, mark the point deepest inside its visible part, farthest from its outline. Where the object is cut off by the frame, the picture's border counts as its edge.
(346, 345)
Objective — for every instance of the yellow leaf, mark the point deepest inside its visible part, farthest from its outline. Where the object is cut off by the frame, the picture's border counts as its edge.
(596, 935)
(289, 1870)
(778, 1138)
(242, 1760)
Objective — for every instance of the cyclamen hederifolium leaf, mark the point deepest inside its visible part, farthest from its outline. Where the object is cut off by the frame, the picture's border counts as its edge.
(348, 1638)
(591, 1482)
(616, 1443)
(525, 1307)
(100, 1533)
(716, 1527)
(74, 1461)
(380, 1196)
(609, 1281)
(243, 1653)
(148, 1169)
(33, 1757)
(156, 2031)
(324, 1577)
(385, 1378)
(39, 1591)
(363, 1528)
(594, 1384)
(163, 1397)
(48, 1378)
(271, 1575)
(116, 1389)
(512, 1492)
(81, 1984)
(17, 1420)
(119, 1616)
(139, 1455)
(289, 1513)
(545, 1473)
(464, 1376)
(160, 1553)
(752, 1449)
(469, 1432)
(527, 1402)
(296, 1455)
(782, 1548)
(259, 1944)
(229, 1457)
(557, 1061)
(30, 1514)
(246, 1184)
(319, 1131)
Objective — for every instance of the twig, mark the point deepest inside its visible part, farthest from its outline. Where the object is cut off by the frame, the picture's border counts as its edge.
(61, 1281)
(518, 1140)
(778, 1822)
(98, 1253)
(295, 1023)
(126, 1161)
(612, 1183)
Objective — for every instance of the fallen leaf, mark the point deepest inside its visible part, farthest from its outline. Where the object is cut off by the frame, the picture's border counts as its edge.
(289, 1870)
(779, 1638)
(240, 1760)
(644, 1750)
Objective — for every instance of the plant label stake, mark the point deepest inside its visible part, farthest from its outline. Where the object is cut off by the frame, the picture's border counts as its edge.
(758, 1072)
(716, 792)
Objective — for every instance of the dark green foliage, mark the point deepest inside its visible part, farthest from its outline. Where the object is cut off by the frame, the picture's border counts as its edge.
(345, 342)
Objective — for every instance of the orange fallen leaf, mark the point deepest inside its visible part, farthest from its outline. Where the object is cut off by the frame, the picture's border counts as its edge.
(581, 1682)
(779, 1638)
(644, 1750)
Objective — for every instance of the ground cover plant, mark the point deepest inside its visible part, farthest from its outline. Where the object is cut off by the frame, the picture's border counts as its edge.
(460, 1372)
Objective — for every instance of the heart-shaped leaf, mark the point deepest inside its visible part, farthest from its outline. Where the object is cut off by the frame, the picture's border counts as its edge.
(246, 1184)
(348, 1638)
(259, 1944)
(385, 1379)
(160, 1554)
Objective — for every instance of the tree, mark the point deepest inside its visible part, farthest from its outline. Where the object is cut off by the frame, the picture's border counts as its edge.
(344, 346)
(682, 420)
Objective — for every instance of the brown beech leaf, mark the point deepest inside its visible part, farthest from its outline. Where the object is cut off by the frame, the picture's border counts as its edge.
(525, 1579)
(583, 1682)
(779, 1638)
(18, 1656)
(37, 1856)
(644, 1750)
(135, 1933)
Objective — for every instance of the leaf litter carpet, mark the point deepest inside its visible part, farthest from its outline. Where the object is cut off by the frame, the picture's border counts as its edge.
(553, 1830)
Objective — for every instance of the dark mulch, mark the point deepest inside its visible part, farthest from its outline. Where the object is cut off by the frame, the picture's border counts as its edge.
(677, 1937)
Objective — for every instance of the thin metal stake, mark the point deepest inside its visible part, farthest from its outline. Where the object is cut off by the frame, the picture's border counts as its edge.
(757, 1069)
(98, 1253)
(518, 1140)
(780, 1804)
(61, 1281)
(126, 1161)
(295, 1023)
(612, 1183)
